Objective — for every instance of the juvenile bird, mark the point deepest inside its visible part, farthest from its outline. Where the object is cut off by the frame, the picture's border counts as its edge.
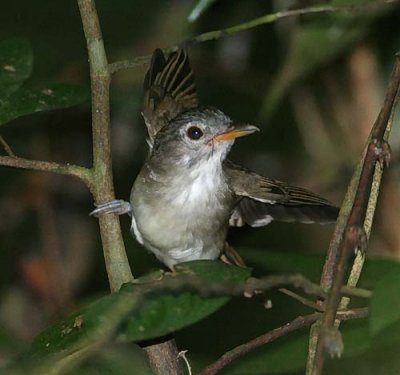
(187, 193)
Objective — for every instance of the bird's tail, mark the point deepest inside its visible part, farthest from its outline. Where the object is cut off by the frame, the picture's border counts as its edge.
(169, 90)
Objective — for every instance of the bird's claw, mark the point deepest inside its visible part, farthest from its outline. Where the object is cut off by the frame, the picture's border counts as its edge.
(358, 237)
(117, 206)
(383, 152)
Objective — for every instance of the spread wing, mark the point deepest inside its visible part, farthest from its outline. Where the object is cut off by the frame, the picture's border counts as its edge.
(261, 200)
(169, 90)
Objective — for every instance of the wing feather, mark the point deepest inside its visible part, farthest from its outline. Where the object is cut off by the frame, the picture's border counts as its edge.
(261, 200)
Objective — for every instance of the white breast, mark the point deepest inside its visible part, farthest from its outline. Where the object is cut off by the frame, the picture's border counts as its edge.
(201, 184)
(190, 218)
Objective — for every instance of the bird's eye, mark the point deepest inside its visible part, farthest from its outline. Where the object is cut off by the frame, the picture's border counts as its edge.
(194, 133)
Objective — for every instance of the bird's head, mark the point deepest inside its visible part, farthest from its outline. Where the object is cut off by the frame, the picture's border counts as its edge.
(199, 135)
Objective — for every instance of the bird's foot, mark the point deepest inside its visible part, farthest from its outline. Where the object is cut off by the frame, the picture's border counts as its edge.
(117, 206)
(382, 151)
(231, 256)
(151, 277)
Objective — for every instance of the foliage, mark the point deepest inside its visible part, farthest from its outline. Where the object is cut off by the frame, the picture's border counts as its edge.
(16, 62)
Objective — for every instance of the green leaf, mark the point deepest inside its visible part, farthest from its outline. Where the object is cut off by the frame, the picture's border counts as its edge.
(213, 271)
(71, 341)
(375, 269)
(137, 312)
(53, 96)
(385, 303)
(199, 9)
(16, 60)
(78, 328)
(171, 311)
(356, 337)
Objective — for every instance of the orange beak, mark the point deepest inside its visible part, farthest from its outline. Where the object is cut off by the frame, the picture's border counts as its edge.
(235, 132)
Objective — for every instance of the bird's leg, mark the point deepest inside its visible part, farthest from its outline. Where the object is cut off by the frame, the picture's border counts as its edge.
(117, 206)
(231, 256)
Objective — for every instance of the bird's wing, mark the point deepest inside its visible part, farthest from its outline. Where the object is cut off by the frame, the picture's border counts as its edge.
(169, 90)
(261, 200)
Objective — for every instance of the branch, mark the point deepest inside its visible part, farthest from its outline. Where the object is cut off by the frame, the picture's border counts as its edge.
(251, 287)
(299, 322)
(263, 20)
(99, 178)
(6, 146)
(358, 263)
(84, 174)
(135, 62)
(273, 17)
(306, 302)
(298, 281)
(118, 269)
(351, 236)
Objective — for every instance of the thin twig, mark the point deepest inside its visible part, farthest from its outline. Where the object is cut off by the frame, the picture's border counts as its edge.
(252, 286)
(299, 322)
(135, 62)
(355, 292)
(298, 281)
(7, 148)
(354, 235)
(263, 20)
(363, 293)
(358, 263)
(84, 174)
(301, 299)
(273, 17)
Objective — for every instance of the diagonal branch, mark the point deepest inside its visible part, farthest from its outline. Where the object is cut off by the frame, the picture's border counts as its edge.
(297, 281)
(273, 17)
(352, 236)
(263, 20)
(299, 322)
(358, 263)
(7, 147)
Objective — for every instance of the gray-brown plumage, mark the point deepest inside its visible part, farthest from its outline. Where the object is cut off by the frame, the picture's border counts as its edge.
(188, 193)
(261, 199)
(169, 90)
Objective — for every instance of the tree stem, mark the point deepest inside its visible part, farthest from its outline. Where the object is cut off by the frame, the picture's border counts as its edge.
(164, 354)
(118, 269)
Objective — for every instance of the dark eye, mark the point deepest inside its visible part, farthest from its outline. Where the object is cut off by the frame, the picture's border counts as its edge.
(194, 133)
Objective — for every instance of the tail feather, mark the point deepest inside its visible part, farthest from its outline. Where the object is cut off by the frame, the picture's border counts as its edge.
(169, 89)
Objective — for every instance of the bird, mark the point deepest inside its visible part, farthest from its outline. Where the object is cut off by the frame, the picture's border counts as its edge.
(188, 193)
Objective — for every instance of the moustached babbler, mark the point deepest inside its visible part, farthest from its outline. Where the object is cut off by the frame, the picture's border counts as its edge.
(187, 193)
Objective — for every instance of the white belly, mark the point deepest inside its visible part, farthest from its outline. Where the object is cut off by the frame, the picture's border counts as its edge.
(183, 225)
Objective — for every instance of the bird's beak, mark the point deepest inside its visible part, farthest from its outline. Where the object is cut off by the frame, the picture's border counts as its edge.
(235, 132)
